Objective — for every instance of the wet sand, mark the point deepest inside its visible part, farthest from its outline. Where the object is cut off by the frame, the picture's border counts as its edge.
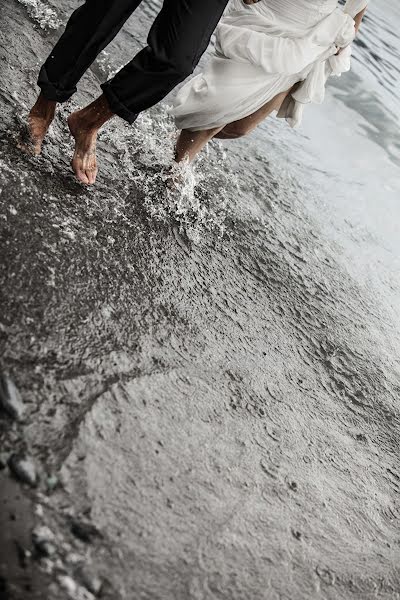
(211, 387)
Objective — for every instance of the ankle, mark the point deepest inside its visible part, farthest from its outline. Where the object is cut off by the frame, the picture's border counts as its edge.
(92, 117)
(88, 122)
(43, 108)
(84, 122)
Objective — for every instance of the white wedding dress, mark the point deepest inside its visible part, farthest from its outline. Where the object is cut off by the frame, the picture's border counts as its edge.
(263, 49)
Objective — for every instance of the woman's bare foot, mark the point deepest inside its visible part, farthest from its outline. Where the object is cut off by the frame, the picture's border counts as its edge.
(39, 120)
(84, 126)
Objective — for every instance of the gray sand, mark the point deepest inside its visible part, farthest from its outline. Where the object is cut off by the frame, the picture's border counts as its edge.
(211, 391)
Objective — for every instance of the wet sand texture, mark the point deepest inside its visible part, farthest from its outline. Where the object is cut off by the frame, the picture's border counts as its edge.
(211, 400)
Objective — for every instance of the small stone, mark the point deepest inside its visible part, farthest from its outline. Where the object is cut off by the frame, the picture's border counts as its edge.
(42, 532)
(68, 584)
(22, 554)
(43, 538)
(46, 548)
(52, 482)
(84, 531)
(90, 579)
(296, 534)
(10, 398)
(326, 575)
(3, 460)
(73, 558)
(23, 468)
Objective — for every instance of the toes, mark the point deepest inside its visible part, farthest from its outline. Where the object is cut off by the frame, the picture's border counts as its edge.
(82, 177)
(36, 148)
(80, 174)
(91, 175)
(32, 148)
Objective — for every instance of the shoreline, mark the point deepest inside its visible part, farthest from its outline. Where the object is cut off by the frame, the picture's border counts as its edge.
(210, 387)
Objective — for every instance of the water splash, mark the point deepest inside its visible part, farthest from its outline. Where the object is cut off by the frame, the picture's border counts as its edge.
(183, 195)
(106, 65)
(44, 15)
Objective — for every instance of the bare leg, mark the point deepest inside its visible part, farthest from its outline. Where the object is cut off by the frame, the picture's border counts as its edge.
(244, 126)
(39, 120)
(190, 143)
(84, 126)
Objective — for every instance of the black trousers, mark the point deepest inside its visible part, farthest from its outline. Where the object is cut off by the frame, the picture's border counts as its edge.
(179, 36)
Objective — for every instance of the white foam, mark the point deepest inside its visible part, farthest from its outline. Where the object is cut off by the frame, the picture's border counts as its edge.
(43, 14)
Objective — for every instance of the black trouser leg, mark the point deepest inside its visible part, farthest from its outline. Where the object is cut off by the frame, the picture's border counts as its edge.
(177, 39)
(90, 29)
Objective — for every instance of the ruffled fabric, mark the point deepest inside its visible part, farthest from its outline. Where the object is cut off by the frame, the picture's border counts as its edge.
(284, 54)
(312, 88)
(264, 49)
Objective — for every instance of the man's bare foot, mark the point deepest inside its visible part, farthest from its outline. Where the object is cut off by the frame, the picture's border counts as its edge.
(84, 126)
(39, 120)
(84, 162)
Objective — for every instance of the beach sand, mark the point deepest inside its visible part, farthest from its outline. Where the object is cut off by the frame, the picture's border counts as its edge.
(211, 382)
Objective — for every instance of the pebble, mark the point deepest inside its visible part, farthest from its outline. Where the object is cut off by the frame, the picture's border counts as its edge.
(68, 584)
(296, 534)
(46, 548)
(52, 482)
(327, 576)
(3, 460)
(90, 580)
(10, 398)
(43, 540)
(23, 467)
(73, 558)
(84, 531)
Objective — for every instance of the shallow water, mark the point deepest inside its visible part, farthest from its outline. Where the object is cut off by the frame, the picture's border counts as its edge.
(215, 376)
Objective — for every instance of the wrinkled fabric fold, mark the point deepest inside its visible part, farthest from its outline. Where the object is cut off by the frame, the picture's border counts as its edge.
(285, 55)
(353, 7)
(312, 88)
(264, 49)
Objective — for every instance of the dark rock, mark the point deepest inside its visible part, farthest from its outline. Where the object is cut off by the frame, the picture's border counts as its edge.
(10, 398)
(22, 554)
(45, 548)
(3, 460)
(84, 531)
(296, 534)
(23, 468)
(3, 587)
(107, 591)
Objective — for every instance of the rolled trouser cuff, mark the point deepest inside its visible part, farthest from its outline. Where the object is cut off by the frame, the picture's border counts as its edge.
(50, 90)
(116, 105)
